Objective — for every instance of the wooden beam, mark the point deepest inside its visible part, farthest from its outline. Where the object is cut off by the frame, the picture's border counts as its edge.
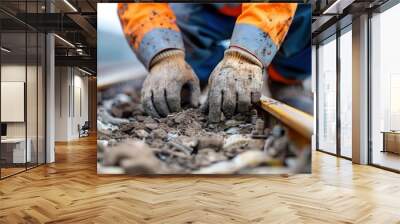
(295, 119)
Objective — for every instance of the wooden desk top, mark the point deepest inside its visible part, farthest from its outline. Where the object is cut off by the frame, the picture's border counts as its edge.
(13, 140)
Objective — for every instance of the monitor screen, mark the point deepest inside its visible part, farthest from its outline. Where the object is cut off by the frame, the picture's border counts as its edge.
(3, 129)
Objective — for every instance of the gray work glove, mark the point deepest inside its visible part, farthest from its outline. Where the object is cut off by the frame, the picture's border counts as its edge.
(233, 83)
(169, 73)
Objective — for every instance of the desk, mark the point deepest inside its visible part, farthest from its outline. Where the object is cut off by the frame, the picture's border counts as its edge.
(13, 150)
(391, 141)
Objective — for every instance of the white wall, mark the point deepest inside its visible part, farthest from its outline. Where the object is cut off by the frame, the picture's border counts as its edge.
(12, 73)
(61, 103)
(33, 126)
(82, 83)
(80, 109)
(70, 83)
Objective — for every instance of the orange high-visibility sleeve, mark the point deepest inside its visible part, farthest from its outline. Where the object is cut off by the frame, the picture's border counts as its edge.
(262, 27)
(272, 18)
(149, 28)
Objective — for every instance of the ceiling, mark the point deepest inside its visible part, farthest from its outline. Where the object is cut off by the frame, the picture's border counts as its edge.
(72, 20)
(76, 21)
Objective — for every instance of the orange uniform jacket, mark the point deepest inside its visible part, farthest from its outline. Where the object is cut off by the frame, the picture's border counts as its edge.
(260, 28)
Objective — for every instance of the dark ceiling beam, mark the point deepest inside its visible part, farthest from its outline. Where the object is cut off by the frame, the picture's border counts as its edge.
(85, 25)
(338, 6)
(320, 23)
(77, 61)
(91, 5)
(49, 22)
(58, 22)
(16, 18)
(11, 25)
(65, 51)
(325, 26)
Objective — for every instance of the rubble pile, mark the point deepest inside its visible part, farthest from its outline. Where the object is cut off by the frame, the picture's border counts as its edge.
(185, 142)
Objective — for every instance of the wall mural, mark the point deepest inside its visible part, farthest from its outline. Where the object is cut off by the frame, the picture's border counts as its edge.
(204, 88)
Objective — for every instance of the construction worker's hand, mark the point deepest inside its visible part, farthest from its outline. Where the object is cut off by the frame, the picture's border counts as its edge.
(235, 83)
(169, 76)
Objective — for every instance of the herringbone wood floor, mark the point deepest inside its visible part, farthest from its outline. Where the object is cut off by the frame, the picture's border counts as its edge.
(70, 191)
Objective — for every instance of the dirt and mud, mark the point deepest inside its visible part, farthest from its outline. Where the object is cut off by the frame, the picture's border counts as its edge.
(185, 142)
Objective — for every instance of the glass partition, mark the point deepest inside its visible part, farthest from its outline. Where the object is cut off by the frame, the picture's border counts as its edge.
(31, 97)
(346, 93)
(327, 96)
(14, 153)
(385, 89)
(22, 101)
(33, 64)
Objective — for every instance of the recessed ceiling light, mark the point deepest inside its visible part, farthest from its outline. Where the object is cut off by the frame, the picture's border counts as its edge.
(70, 5)
(5, 50)
(84, 71)
(337, 7)
(65, 41)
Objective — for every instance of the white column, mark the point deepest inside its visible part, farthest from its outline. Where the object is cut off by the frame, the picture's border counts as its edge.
(360, 90)
(50, 98)
(50, 92)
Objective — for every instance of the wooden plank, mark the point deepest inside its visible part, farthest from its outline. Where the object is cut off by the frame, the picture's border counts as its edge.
(295, 119)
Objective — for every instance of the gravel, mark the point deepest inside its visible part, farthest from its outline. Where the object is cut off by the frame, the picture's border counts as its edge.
(182, 142)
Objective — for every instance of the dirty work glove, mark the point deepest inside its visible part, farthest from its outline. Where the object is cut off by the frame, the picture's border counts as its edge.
(233, 83)
(169, 74)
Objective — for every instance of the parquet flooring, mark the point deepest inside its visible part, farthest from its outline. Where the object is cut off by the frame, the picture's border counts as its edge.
(70, 191)
(10, 171)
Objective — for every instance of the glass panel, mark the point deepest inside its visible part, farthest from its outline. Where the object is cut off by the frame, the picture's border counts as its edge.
(385, 84)
(31, 87)
(346, 94)
(13, 86)
(31, 97)
(23, 85)
(327, 97)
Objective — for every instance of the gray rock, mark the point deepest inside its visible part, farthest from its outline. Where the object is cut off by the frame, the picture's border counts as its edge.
(231, 123)
(140, 118)
(233, 131)
(141, 133)
(149, 120)
(170, 123)
(160, 133)
(212, 126)
(151, 126)
(122, 98)
(172, 136)
(179, 118)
